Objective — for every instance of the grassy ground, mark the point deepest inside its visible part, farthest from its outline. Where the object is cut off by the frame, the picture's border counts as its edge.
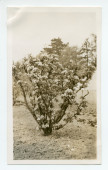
(76, 140)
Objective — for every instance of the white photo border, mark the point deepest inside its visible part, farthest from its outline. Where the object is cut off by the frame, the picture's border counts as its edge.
(10, 112)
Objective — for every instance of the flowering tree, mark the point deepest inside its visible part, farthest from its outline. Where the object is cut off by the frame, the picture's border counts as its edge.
(49, 89)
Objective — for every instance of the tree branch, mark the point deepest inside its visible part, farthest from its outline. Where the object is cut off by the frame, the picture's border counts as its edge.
(62, 110)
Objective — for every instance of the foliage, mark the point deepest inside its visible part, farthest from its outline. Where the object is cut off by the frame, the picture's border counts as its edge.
(50, 87)
(55, 47)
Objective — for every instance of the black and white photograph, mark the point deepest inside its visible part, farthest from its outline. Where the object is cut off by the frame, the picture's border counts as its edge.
(54, 85)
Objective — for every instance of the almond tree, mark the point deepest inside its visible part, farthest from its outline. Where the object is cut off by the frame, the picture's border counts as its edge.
(50, 88)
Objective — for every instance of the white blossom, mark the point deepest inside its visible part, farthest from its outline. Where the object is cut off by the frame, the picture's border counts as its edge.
(76, 77)
(76, 88)
(45, 76)
(79, 84)
(35, 69)
(66, 80)
(19, 81)
(47, 125)
(39, 63)
(38, 118)
(41, 117)
(84, 79)
(56, 59)
(34, 81)
(68, 91)
(64, 72)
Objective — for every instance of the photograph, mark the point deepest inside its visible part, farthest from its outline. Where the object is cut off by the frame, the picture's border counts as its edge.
(54, 58)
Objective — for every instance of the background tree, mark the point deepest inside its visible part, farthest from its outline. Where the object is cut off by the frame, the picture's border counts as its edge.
(55, 47)
(87, 55)
(16, 88)
(69, 53)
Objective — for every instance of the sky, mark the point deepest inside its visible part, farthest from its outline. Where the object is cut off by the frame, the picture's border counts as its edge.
(30, 29)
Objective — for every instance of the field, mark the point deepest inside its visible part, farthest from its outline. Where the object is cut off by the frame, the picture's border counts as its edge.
(77, 140)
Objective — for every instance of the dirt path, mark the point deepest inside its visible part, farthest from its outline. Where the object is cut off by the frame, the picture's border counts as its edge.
(75, 141)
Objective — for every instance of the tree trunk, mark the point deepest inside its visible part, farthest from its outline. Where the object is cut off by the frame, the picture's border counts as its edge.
(47, 131)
